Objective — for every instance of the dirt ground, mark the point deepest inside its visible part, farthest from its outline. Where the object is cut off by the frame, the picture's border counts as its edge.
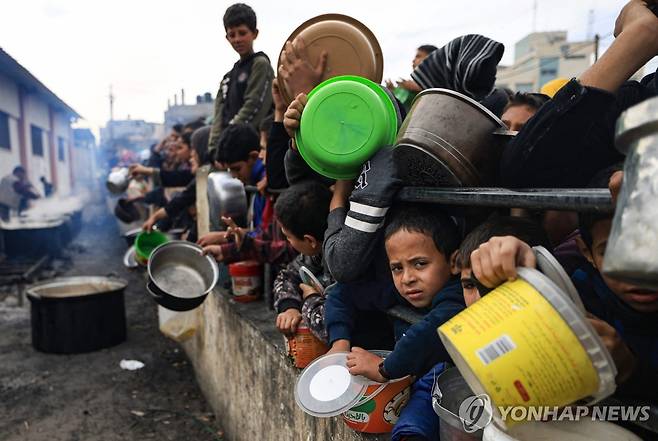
(88, 397)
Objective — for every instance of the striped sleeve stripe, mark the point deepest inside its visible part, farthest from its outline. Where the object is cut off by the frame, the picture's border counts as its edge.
(368, 210)
(365, 227)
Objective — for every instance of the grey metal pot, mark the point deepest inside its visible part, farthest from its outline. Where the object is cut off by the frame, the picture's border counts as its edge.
(180, 276)
(226, 197)
(449, 140)
(118, 180)
(630, 255)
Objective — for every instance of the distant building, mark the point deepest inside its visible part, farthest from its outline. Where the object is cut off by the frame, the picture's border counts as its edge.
(183, 114)
(543, 56)
(134, 134)
(84, 156)
(35, 127)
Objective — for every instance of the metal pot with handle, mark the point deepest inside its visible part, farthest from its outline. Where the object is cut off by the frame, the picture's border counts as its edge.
(449, 140)
(118, 180)
(226, 197)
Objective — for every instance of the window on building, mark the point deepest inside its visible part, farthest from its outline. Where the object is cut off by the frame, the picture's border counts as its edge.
(5, 140)
(524, 87)
(61, 149)
(548, 69)
(37, 140)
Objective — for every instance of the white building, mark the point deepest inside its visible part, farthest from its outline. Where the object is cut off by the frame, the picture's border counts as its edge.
(35, 128)
(136, 134)
(543, 56)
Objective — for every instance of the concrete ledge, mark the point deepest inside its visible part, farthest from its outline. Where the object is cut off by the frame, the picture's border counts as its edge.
(240, 363)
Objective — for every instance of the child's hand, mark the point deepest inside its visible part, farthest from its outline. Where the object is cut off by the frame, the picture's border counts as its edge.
(614, 185)
(495, 261)
(296, 69)
(621, 354)
(148, 225)
(409, 85)
(288, 320)
(307, 290)
(235, 231)
(212, 238)
(279, 104)
(339, 346)
(362, 362)
(294, 114)
(140, 170)
(214, 251)
(636, 13)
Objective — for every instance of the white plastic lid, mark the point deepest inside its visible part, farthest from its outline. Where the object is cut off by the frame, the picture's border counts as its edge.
(598, 354)
(326, 388)
(309, 279)
(551, 268)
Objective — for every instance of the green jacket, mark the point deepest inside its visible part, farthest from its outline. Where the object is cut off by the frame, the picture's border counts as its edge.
(244, 96)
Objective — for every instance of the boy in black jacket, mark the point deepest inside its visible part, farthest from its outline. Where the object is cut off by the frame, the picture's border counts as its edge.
(244, 94)
(421, 244)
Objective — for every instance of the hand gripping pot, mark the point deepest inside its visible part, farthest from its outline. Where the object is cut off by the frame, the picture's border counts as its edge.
(326, 388)
(346, 120)
(527, 344)
(180, 276)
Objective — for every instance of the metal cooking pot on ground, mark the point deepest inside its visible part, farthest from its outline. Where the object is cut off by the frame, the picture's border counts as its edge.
(77, 314)
(180, 276)
(449, 140)
(226, 197)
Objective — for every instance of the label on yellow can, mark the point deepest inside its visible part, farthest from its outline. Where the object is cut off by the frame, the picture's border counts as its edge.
(520, 349)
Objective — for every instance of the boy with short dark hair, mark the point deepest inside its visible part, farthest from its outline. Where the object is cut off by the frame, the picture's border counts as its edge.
(301, 211)
(421, 243)
(244, 93)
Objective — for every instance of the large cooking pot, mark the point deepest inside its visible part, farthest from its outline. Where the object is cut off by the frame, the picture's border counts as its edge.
(118, 180)
(180, 276)
(449, 139)
(77, 314)
(226, 197)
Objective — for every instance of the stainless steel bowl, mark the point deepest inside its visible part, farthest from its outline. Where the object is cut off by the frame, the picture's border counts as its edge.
(180, 276)
(226, 197)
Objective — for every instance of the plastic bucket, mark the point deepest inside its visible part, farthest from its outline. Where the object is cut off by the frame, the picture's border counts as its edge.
(246, 280)
(346, 120)
(146, 242)
(379, 408)
(527, 344)
(304, 347)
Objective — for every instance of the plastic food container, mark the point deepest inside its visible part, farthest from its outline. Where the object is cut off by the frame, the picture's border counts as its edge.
(146, 242)
(326, 388)
(631, 250)
(346, 120)
(246, 280)
(304, 347)
(527, 344)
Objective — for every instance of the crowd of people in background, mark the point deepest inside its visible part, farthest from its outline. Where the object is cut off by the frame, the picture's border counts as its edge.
(371, 252)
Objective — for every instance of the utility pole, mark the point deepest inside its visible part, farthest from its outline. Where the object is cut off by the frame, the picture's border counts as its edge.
(111, 97)
(534, 16)
(596, 47)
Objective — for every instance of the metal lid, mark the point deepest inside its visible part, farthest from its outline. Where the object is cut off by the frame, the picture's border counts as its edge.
(352, 48)
(551, 268)
(638, 121)
(326, 388)
(129, 258)
(309, 279)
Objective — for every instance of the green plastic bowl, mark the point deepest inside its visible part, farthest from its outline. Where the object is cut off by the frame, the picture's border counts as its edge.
(146, 242)
(346, 120)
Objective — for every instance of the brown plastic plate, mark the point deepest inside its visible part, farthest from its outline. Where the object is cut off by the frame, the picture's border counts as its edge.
(352, 48)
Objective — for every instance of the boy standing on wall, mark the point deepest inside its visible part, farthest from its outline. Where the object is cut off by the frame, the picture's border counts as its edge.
(244, 94)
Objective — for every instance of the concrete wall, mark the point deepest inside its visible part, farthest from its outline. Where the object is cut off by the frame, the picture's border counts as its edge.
(241, 367)
(61, 124)
(36, 113)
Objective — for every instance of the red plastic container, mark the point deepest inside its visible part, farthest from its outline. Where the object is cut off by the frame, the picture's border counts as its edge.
(246, 280)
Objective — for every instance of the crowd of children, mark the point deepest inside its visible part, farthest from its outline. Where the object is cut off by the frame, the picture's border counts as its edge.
(370, 252)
